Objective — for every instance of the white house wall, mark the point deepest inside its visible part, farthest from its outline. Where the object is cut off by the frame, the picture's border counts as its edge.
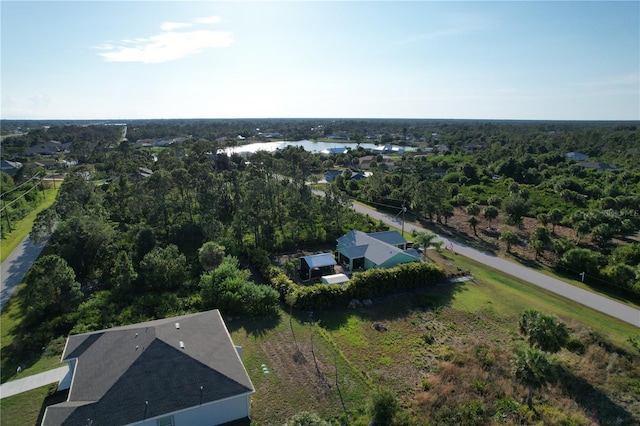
(214, 413)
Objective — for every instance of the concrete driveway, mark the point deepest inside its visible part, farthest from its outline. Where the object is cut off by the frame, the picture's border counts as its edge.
(33, 382)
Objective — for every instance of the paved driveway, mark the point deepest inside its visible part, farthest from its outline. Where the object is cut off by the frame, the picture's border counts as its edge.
(584, 297)
(33, 382)
(15, 267)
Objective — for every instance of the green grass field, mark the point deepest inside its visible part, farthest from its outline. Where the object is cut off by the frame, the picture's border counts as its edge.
(22, 228)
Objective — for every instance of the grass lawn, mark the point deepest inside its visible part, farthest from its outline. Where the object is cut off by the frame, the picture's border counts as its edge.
(23, 409)
(22, 228)
(440, 350)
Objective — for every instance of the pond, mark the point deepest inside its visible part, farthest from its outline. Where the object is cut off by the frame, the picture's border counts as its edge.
(316, 147)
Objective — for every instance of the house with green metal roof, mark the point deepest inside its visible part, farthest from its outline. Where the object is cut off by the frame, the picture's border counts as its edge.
(360, 251)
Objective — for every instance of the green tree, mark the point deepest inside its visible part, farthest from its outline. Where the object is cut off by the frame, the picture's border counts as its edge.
(532, 368)
(51, 290)
(383, 407)
(541, 233)
(543, 218)
(578, 260)
(44, 225)
(163, 268)
(473, 223)
(515, 207)
(602, 234)
(537, 246)
(555, 217)
(86, 243)
(472, 209)
(425, 240)
(582, 228)
(543, 331)
(509, 238)
(561, 246)
(123, 274)
(211, 255)
(446, 211)
(490, 213)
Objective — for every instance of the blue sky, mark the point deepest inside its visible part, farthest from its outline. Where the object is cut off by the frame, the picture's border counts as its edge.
(421, 59)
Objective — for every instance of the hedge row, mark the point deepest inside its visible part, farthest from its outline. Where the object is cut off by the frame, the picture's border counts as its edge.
(363, 285)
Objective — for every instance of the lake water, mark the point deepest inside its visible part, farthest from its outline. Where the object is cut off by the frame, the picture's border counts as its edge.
(315, 147)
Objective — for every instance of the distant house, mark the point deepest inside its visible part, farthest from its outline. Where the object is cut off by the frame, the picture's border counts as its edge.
(176, 371)
(144, 172)
(331, 175)
(316, 266)
(49, 148)
(366, 162)
(360, 251)
(335, 150)
(598, 166)
(388, 149)
(10, 167)
(576, 156)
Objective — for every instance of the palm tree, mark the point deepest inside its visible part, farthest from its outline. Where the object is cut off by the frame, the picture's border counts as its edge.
(473, 222)
(473, 209)
(537, 246)
(490, 213)
(425, 240)
(543, 331)
(555, 217)
(509, 238)
(532, 368)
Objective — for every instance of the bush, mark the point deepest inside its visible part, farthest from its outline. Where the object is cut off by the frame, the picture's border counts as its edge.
(383, 407)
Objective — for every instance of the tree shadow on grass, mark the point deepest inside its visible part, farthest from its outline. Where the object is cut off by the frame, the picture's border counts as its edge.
(602, 409)
(391, 307)
(256, 327)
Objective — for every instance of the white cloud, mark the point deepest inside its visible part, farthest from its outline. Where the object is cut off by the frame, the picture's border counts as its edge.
(209, 20)
(169, 26)
(164, 47)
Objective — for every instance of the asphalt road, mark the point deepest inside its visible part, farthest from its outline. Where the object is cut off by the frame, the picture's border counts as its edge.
(15, 267)
(584, 297)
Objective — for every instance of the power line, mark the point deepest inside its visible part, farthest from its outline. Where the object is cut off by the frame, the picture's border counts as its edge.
(19, 186)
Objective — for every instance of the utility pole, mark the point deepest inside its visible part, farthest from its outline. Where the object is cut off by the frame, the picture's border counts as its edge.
(403, 211)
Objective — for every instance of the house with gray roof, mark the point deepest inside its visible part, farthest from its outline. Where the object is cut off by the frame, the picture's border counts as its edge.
(598, 166)
(10, 167)
(176, 371)
(360, 251)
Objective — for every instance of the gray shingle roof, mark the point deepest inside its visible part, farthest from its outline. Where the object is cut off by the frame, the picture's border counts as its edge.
(119, 369)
